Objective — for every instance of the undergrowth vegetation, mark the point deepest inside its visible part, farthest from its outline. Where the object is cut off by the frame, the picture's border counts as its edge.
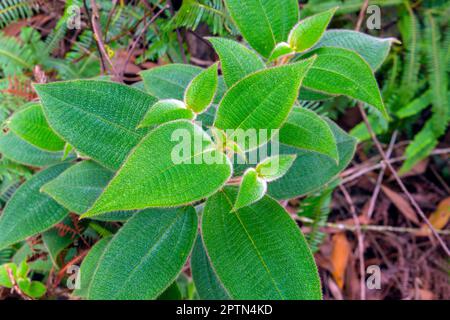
(159, 149)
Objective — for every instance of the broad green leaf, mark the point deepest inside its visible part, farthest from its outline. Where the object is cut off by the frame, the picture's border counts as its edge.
(164, 111)
(30, 212)
(306, 130)
(145, 256)
(78, 187)
(309, 31)
(251, 190)
(281, 50)
(171, 293)
(202, 89)
(237, 61)
(262, 100)
(374, 50)
(275, 167)
(264, 23)
(5, 280)
(341, 71)
(258, 252)
(178, 153)
(33, 289)
(98, 118)
(169, 81)
(311, 170)
(30, 124)
(88, 267)
(206, 281)
(18, 150)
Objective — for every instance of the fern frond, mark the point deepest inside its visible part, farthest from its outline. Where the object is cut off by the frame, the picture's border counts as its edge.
(14, 57)
(13, 10)
(423, 144)
(317, 208)
(437, 74)
(193, 12)
(410, 31)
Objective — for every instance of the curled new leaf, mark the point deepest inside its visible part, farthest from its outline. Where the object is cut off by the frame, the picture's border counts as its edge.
(264, 23)
(201, 90)
(309, 31)
(251, 190)
(275, 167)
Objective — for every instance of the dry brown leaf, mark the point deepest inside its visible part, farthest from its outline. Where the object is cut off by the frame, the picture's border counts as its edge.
(402, 204)
(438, 219)
(339, 257)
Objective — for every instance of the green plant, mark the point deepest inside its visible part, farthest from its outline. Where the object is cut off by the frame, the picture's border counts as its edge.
(144, 161)
(16, 277)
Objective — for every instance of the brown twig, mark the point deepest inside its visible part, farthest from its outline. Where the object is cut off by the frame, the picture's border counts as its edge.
(179, 38)
(15, 286)
(362, 12)
(95, 24)
(376, 192)
(358, 171)
(135, 42)
(360, 238)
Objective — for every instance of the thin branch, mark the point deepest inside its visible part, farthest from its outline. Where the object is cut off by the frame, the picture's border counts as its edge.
(135, 42)
(376, 192)
(369, 227)
(95, 24)
(360, 237)
(15, 286)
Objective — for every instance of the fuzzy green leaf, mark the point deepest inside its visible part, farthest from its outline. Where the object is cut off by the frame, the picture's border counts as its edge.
(78, 187)
(306, 130)
(18, 150)
(341, 71)
(374, 50)
(251, 190)
(98, 118)
(164, 111)
(170, 81)
(30, 212)
(275, 167)
(30, 124)
(88, 267)
(262, 100)
(258, 251)
(187, 173)
(145, 256)
(237, 61)
(202, 89)
(206, 281)
(309, 31)
(264, 23)
(311, 170)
